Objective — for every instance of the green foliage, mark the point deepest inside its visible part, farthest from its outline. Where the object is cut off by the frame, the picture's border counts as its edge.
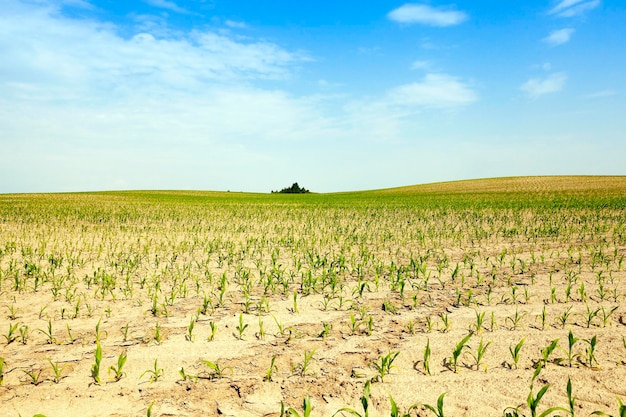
(294, 189)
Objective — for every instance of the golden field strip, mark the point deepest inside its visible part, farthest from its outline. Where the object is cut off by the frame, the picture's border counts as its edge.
(489, 295)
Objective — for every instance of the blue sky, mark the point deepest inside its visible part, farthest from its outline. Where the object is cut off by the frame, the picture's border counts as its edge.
(348, 95)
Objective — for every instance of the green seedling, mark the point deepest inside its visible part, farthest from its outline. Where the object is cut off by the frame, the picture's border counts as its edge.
(241, 327)
(365, 398)
(325, 330)
(570, 397)
(1, 371)
(306, 409)
(480, 353)
(124, 331)
(216, 371)
(395, 412)
(354, 324)
(571, 341)
(189, 335)
(117, 370)
(590, 315)
(261, 333)
(51, 340)
(562, 319)
(533, 400)
(11, 336)
(458, 350)
(446, 322)
(606, 315)
(427, 358)
(35, 376)
(56, 370)
(547, 351)
(155, 373)
(158, 336)
(304, 366)
(438, 412)
(95, 368)
(187, 377)
(384, 365)
(100, 333)
(590, 351)
(515, 319)
(515, 352)
(213, 327)
(480, 318)
(270, 370)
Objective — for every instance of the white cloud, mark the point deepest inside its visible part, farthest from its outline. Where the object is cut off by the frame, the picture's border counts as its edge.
(420, 65)
(166, 4)
(235, 24)
(434, 90)
(559, 37)
(571, 8)
(601, 94)
(427, 15)
(537, 87)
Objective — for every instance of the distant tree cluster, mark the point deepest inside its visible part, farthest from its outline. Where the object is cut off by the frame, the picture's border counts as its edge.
(294, 189)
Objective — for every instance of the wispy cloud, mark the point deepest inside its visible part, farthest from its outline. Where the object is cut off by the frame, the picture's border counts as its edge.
(427, 15)
(434, 90)
(537, 87)
(166, 4)
(235, 24)
(559, 37)
(420, 65)
(601, 94)
(571, 8)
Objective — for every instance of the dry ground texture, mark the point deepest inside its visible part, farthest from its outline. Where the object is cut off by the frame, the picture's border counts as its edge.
(231, 304)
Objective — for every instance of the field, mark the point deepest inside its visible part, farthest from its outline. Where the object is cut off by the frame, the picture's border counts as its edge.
(495, 293)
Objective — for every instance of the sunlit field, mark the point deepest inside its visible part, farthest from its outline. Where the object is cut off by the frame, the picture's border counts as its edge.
(472, 298)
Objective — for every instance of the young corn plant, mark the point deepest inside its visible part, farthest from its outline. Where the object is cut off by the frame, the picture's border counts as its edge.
(34, 375)
(306, 409)
(515, 319)
(95, 368)
(606, 315)
(155, 373)
(215, 370)
(384, 365)
(48, 333)
(118, 373)
(480, 353)
(1, 371)
(11, 336)
(427, 358)
(515, 352)
(452, 362)
(438, 411)
(365, 399)
(304, 366)
(533, 401)
(189, 336)
(187, 377)
(213, 327)
(241, 327)
(395, 412)
(547, 351)
(57, 371)
(571, 341)
(590, 351)
(270, 370)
